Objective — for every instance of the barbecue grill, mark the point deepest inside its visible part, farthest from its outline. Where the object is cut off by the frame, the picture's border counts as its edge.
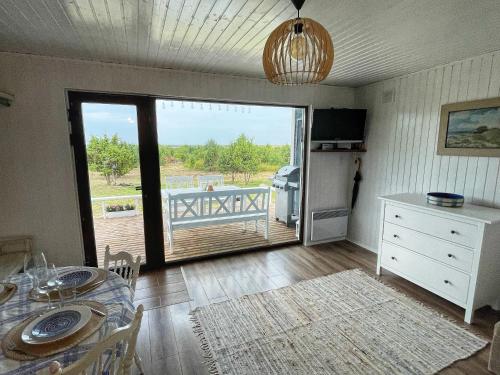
(287, 182)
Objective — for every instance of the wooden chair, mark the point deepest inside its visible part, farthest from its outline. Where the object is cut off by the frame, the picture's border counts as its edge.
(104, 356)
(12, 252)
(494, 361)
(214, 180)
(123, 264)
(179, 182)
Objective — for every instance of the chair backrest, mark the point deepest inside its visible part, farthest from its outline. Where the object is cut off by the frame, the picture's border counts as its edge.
(114, 355)
(17, 244)
(179, 182)
(213, 204)
(124, 265)
(214, 180)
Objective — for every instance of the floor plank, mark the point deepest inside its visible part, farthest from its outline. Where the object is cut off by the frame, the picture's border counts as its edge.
(163, 341)
(161, 288)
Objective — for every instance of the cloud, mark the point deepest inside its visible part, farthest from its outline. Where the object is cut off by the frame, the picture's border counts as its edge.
(469, 120)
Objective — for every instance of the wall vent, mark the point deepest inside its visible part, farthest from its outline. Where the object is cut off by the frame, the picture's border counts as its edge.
(388, 96)
(329, 224)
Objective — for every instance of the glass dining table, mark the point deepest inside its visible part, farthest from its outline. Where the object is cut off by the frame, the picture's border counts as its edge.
(113, 293)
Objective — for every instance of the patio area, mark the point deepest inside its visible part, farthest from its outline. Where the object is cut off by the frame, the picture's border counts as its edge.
(126, 233)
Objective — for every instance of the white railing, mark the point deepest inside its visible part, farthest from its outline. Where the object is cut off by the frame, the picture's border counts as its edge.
(104, 201)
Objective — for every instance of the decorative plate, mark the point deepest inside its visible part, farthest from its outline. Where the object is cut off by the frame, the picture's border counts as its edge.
(56, 324)
(77, 278)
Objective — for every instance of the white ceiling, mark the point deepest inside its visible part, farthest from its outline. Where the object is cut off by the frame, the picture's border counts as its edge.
(373, 39)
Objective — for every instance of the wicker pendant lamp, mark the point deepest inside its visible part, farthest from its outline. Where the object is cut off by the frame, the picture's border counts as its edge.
(299, 51)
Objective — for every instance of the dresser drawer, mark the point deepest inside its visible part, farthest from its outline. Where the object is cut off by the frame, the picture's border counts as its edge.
(440, 279)
(447, 229)
(443, 251)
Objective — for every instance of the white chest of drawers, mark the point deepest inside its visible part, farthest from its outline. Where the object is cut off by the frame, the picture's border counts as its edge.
(453, 252)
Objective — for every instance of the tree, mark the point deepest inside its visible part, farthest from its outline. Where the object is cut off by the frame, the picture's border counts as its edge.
(240, 156)
(111, 157)
(211, 154)
(246, 156)
(226, 162)
(167, 154)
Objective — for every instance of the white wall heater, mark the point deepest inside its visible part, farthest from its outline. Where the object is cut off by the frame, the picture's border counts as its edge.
(329, 224)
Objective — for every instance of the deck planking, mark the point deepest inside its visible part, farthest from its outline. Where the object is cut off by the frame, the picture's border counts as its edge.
(127, 234)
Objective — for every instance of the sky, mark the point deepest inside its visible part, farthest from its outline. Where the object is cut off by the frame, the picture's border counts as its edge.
(466, 121)
(193, 123)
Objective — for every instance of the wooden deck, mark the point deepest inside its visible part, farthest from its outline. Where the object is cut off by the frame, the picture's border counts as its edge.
(127, 234)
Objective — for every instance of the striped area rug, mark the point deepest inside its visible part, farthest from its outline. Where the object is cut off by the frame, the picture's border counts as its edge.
(345, 323)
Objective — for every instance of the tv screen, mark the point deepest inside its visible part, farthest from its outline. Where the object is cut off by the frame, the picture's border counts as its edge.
(338, 125)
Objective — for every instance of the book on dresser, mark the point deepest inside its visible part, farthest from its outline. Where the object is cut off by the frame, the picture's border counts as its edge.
(453, 252)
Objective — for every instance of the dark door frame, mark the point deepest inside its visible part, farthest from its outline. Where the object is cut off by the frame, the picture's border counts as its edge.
(150, 171)
(304, 151)
(150, 174)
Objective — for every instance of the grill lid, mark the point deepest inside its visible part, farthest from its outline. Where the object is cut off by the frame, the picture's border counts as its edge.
(289, 171)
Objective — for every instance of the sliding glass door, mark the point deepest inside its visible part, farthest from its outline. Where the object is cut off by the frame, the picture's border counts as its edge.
(170, 180)
(217, 162)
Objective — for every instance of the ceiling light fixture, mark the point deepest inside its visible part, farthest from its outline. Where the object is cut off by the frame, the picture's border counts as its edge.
(299, 51)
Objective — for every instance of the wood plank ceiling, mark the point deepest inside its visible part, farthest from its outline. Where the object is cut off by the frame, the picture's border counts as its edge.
(373, 39)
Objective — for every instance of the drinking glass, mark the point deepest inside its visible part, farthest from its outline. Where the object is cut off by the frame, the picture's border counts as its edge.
(46, 282)
(55, 282)
(33, 263)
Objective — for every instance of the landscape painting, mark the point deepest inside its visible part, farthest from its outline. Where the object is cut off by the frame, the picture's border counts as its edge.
(476, 128)
(470, 129)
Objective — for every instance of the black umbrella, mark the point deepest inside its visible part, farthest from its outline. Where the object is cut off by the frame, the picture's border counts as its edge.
(357, 178)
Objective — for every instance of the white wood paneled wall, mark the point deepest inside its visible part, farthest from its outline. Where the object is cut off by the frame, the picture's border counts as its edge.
(402, 138)
(37, 186)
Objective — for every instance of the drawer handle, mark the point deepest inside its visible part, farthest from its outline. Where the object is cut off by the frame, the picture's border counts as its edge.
(395, 236)
(394, 258)
(454, 232)
(447, 282)
(451, 256)
(397, 216)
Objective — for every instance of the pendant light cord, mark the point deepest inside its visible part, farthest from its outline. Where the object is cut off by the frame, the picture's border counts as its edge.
(298, 4)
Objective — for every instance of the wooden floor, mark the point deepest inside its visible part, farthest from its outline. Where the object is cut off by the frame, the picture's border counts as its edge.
(127, 234)
(168, 345)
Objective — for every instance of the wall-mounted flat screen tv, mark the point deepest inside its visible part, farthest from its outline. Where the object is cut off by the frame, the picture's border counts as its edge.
(338, 125)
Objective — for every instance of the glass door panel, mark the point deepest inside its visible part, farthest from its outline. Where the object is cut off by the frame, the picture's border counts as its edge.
(112, 147)
(217, 162)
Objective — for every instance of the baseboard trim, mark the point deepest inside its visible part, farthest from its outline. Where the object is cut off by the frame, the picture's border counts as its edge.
(312, 243)
(365, 246)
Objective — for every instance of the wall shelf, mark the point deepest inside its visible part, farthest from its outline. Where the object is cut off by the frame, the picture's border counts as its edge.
(338, 150)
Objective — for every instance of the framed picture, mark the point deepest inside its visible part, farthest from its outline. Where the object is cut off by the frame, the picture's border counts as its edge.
(470, 128)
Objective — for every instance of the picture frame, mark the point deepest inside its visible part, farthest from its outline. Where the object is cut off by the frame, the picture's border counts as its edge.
(470, 128)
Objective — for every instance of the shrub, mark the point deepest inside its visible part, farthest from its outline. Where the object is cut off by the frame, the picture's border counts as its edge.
(120, 207)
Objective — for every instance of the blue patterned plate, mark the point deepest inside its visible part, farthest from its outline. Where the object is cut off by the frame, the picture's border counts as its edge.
(77, 278)
(56, 324)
